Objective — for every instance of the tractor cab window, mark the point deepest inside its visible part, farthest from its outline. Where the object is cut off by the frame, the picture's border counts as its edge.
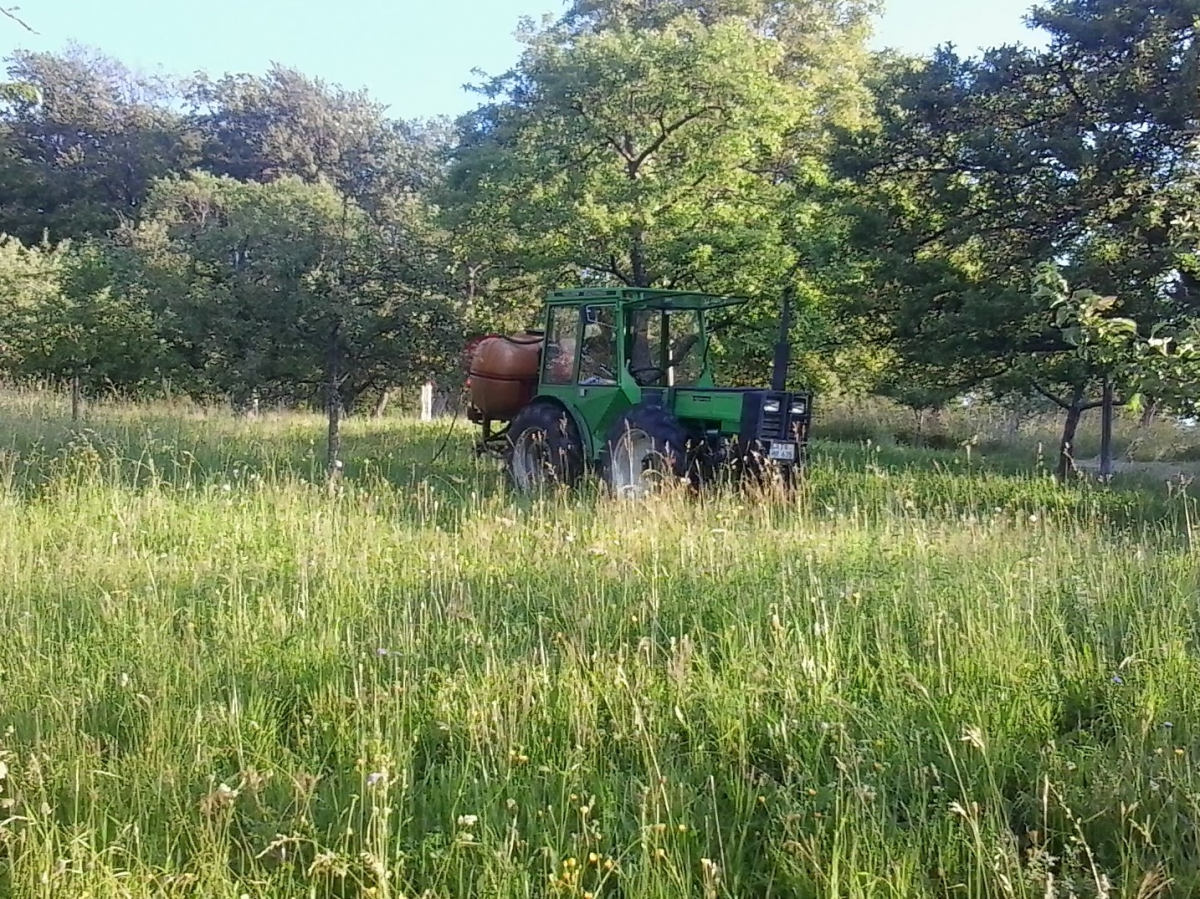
(666, 347)
(598, 358)
(562, 339)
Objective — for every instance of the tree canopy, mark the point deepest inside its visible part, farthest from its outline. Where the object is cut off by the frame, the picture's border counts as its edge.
(936, 225)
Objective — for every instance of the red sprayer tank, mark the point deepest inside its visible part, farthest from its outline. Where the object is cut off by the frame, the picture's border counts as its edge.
(504, 374)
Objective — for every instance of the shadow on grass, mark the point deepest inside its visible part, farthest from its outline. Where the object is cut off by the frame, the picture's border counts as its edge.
(142, 446)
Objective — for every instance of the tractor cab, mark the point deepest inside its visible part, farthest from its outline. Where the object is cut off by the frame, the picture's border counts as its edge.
(666, 341)
(623, 380)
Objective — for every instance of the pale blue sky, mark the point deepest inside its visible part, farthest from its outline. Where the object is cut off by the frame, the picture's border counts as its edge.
(414, 55)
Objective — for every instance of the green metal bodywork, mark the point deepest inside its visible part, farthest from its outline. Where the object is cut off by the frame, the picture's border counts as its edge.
(596, 407)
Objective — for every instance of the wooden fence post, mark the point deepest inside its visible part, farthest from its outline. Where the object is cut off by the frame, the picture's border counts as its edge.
(427, 401)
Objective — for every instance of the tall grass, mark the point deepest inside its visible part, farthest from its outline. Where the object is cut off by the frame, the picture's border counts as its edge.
(922, 677)
(1136, 443)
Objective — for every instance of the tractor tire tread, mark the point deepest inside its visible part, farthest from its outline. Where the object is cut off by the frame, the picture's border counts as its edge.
(662, 427)
(562, 435)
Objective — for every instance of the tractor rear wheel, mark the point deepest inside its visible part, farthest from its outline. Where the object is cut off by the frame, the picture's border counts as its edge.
(544, 448)
(646, 448)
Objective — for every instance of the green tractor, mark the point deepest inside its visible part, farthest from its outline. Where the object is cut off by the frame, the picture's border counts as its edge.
(620, 381)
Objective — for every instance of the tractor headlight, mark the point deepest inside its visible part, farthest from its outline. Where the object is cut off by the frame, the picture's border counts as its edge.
(771, 407)
(799, 407)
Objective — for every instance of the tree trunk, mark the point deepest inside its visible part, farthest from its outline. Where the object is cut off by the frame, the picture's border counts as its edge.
(245, 403)
(937, 420)
(1149, 412)
(333, 401)
(637, 257)
(472, 284)
(381, 404)
(637, 230)
(1013, 426)
(76, 398)
(1066, 451)
(1106, 426)
(441, 402)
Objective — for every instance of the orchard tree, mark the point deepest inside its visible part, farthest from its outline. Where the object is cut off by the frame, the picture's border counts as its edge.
(30, 279)
(982, 170)
(83, 139)
(1163, 362)
(63, 321)
(650, 145)
(286, 290)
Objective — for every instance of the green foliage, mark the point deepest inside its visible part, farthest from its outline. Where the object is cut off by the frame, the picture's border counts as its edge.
(260, 288)
(623, 155)
(670, 147)
(286, 123)
(904, 208)
(1165, 363)
(29, 280)
(62, 319)
(982, 171)
(81, 140)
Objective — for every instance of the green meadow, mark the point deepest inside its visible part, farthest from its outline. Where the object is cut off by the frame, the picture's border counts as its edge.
(927, 674)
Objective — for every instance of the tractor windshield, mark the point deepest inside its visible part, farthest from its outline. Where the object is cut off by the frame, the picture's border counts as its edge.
(666, 347)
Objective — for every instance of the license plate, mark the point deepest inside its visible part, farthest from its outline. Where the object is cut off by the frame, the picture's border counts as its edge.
(783, 452)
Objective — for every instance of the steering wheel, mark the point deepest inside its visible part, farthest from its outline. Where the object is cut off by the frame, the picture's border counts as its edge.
(636, 372)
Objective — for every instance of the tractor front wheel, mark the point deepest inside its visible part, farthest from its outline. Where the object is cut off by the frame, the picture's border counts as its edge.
(544, 449)
(646, 448)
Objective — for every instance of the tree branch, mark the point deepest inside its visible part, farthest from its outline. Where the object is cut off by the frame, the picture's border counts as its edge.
(670, 204)
(614, 268)
(1099, 404)
(577, 108)
(1062, 404)
(665, 132)
(11, 13)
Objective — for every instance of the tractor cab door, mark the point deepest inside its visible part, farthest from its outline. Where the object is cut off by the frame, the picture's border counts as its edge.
(581, 364)
(599, 394)
(666, 348)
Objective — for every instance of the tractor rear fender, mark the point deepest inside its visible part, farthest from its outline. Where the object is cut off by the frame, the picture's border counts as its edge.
(585, 437)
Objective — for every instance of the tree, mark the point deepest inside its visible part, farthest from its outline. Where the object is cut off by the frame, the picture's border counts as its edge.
(982, 170)
(286, 290)
(287, 123)
(64, 322)
(30, 277)
(618, 157)
(1164, 362)
(652, 145)
(822, 43)
(83, 139)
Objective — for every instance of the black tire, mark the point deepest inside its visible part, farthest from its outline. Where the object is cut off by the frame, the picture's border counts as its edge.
(644, 447)
(544, 449)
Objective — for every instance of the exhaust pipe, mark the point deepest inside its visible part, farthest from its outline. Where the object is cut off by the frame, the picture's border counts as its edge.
(779, 371)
